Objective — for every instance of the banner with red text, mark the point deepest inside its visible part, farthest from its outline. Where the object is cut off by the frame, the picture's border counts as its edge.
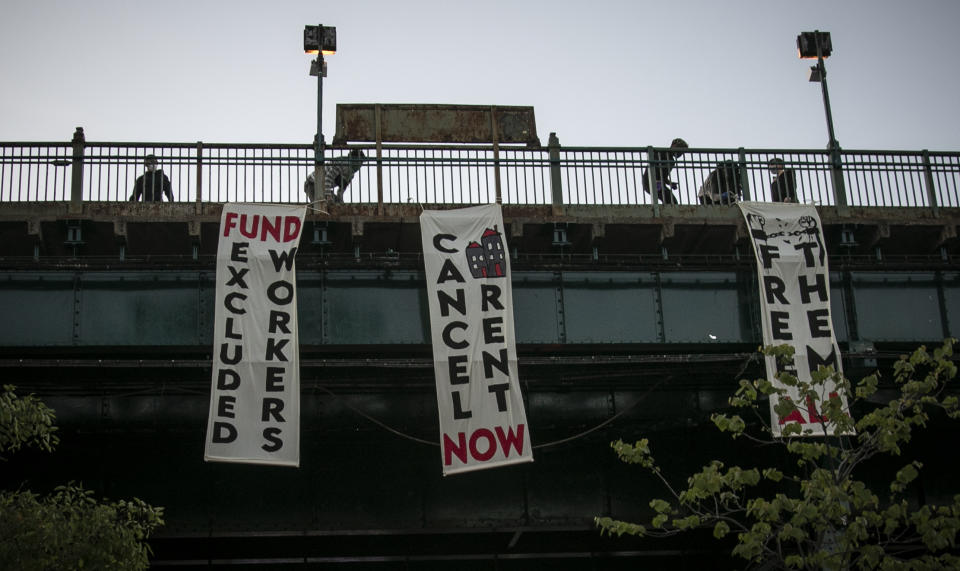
(255, 387)
(482, 421)
(794, 282)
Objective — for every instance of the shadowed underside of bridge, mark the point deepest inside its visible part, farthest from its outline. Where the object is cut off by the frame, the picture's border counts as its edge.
(628, 326)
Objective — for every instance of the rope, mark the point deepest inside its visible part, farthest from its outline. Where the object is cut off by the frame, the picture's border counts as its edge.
(604, 423)
(374, 420)
(310, 206)
(534, 447)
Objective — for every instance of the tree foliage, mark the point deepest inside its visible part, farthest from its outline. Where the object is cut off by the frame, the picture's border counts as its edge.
(25, 422)
(812, 512)
(69, 528)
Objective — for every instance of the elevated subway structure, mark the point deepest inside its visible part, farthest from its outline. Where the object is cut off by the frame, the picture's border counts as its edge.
(634, 319)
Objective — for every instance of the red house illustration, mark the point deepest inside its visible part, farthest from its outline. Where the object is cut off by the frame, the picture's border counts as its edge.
(475, 259)
(488, 258)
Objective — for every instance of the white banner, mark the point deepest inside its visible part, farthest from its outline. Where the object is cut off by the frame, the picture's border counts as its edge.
(482, 421)
(255, 389)
(794, 282)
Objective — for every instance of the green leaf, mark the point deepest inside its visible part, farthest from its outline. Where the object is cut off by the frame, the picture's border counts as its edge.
(688, 522)
(773, 474)
(818, 516)
(71, 529)
(658, 521)
(638, 453)
(616, 527)
(906, 475)
(659, 506)
(25, 422)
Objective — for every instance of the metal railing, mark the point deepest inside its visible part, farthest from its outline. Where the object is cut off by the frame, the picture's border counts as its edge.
(467, 174)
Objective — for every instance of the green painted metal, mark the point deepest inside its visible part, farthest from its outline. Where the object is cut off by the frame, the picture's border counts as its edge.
(703, 307)
(610, 307)
(373, 307)
(36, 309)
(534, 294)
(462, 174)
(388, 307)
(136, 308)
(951, 299)
(900, 306)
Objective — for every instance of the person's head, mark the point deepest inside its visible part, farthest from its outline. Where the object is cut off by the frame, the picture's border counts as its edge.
(150, 162)
(356, 157)
(678, 145)
(775, 165)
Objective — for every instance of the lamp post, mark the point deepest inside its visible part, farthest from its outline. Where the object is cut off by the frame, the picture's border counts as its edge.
(818, 45)
(320, 40)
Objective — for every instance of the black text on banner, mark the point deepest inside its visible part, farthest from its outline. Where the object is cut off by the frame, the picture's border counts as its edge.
(794, 281)
(482, 419)
(255, 387)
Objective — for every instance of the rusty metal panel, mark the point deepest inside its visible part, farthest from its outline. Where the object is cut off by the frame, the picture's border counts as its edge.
(418, 123)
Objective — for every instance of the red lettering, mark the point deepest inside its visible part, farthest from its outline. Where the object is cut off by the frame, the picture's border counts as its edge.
(291, 228)
(285, 227)
(255, 223)
(272, 229)
(450, 448)
(480, 450)
(812, 411)
(794, 416)
(229, 223)
(510, 439)
(491, 445)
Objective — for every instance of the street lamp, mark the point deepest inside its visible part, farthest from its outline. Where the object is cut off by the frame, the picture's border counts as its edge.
(817, 45)
(320, 40)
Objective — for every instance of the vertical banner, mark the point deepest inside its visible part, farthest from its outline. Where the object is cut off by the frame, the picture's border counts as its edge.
(482, 421)
(794, 285)
(255, 388)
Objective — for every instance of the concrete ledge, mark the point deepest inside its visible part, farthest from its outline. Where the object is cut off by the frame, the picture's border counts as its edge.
(154, 228)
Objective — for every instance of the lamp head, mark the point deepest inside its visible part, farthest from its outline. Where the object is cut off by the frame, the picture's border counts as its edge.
(321, 39)
(807, 44)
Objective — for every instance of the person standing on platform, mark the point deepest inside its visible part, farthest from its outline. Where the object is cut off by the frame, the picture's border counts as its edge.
(783, 187)
(152, 185)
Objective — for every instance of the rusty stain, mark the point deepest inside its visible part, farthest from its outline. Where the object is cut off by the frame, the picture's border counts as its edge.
(415, 123)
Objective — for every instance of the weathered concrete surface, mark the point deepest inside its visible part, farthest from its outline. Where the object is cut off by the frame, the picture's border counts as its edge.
(180, 228)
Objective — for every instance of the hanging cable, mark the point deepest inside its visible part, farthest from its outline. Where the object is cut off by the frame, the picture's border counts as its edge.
(535, 446)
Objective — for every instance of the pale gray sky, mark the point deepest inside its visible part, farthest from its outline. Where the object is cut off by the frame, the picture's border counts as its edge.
(600, 73)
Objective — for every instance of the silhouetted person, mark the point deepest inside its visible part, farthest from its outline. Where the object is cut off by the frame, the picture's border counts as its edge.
(783, 187)
(663, 163)
(153, 184)
(337, 176)
(723, 185)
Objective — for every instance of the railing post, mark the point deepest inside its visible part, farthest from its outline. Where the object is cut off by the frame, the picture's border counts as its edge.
(836, 169)
(199, 177)
(76, 182)
(652, 181)
(556, 182)
(379, 135)
(744, 178)
(928, 181)
(496, 154)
